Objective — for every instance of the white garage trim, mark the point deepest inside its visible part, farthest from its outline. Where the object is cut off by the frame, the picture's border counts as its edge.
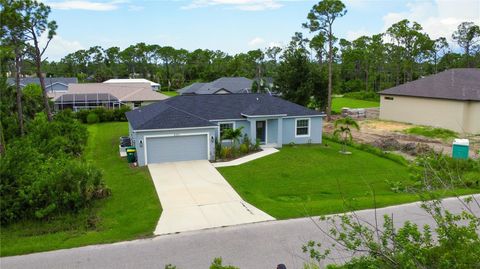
(145, 151)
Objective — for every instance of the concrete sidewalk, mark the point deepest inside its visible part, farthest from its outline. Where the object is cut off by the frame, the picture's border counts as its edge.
(248, 158)
(195, 196)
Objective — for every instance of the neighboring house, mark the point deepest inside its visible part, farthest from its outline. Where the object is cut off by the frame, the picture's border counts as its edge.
(223, 85)
(53, 86)
(450, 99)
(155, 86)
(185, 127)
(109, 95)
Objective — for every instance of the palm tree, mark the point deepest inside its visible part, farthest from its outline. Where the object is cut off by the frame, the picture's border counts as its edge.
(343, 130)
(233, 134)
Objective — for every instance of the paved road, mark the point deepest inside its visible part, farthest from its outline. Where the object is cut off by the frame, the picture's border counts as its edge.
(250, 246)
(195, 196)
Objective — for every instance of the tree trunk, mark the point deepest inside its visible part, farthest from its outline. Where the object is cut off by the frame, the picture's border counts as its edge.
(2, 141)
(19, 91)
(330, 60)
(38, 64)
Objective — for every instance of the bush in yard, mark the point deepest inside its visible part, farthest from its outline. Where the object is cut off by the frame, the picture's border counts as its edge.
(40, 175)
(436, 171)
(92, 118)
(104, 115)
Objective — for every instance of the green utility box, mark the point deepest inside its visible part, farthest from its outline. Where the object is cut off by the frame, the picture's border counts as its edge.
(131, 154)
(460, 149)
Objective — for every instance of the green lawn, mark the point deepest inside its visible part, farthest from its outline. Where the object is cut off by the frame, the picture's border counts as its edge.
(312, 180)
(339, 102)
(132, 211)
(170, 93)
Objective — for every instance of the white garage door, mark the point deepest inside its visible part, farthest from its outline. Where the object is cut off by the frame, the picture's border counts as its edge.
(177, 148)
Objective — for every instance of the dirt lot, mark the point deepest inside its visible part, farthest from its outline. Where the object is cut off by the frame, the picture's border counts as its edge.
(374, 130)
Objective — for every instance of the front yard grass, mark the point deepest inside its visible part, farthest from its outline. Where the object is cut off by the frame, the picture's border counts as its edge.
(312, 180)
(132, 211)
(339, 102)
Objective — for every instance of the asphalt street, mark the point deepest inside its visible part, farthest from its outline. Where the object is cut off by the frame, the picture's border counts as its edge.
(250, 246)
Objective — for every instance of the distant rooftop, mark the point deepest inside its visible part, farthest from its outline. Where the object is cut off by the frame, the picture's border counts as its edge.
(48, 81)
(455, 84)
(125, 92)
(228, 84)
(131, 80)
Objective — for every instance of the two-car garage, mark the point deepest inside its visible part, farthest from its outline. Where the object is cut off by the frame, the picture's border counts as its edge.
(174, 148)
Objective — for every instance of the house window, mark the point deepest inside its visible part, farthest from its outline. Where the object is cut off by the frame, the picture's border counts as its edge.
(388, 98)
(302, 127)
(224, 126)
(137, 104)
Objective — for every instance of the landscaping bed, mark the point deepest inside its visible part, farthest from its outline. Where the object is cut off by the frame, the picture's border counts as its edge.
(115, 218)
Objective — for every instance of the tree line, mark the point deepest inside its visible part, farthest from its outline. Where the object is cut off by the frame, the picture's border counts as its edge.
(306, 71)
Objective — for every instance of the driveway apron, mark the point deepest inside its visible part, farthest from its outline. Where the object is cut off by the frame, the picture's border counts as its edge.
(194, 196)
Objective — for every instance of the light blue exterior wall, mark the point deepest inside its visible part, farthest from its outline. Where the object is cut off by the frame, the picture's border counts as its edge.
(272, 131)
(140, 136)
(289, 131)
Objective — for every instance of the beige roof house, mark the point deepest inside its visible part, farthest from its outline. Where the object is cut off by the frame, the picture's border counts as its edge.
(450, 99)
(91, 95)
(125, 92)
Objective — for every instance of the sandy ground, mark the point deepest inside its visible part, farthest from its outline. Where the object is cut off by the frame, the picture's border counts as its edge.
(372, 129)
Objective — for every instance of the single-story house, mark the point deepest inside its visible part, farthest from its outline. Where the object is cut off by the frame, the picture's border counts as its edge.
(155, 86)
(223, 85)
(53, 85)
(450, 99)
(109, 95)
(186, 127)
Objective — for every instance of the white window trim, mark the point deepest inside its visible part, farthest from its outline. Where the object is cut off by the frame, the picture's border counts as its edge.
(225, 122)
(309, 127)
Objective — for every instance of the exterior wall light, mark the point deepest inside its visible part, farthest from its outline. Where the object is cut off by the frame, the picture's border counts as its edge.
(140, 143)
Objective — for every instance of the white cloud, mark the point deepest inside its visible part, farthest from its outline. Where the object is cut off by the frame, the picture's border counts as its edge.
(256, 42)
(59, 47)
(246, 5)
(85, 5)
(439, 18)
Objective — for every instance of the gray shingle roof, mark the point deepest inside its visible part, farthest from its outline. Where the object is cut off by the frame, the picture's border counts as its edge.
(48, 81)
(454, 84)
(230, 84)
(199, 110)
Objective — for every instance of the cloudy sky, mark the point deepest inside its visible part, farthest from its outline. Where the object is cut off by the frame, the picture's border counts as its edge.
(234, 25)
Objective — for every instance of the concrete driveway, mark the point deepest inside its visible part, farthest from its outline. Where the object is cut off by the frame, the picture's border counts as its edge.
(195, 196)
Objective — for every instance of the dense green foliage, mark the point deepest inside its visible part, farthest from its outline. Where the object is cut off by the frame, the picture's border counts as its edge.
(111, 219)
(453, 242)
(438, 171)
(102, 115)
(41, 175)
(432, 132)
(32, 104)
